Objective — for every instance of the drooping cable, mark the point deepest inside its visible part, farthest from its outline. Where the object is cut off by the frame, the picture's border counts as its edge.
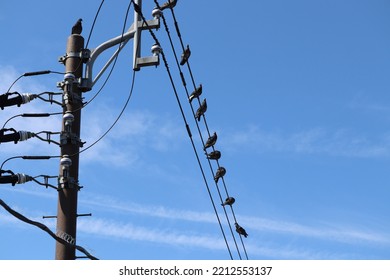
(116, 120)
(128, 98)
(114, 62)
(32, 115)
(93, 24)
(198, 127)
(138, 10)
(36, 73)
(205, 121)
(46, 229)
(204, 117)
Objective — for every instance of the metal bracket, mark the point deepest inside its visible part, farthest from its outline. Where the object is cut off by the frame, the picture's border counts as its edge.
(147, 61)
(67, 183)
(84, 54)
(69, 137)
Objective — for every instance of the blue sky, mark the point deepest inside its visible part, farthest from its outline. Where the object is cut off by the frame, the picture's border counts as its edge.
(297, 91)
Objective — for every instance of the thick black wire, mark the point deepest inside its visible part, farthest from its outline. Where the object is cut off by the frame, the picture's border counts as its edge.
(24, 115)
(188, 130)
(112, 67)
(205, 121)
(25, 74)
(117, 119)
(198, 127)
(128, 98)
(93, 24)
(44, 228)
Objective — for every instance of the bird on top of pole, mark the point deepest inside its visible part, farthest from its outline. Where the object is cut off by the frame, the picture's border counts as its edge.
(77, 27)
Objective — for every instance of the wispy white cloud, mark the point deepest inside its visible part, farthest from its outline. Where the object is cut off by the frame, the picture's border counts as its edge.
(258, 247)
(136, 133)
(334, 233)
(128, 231)
(339, 142)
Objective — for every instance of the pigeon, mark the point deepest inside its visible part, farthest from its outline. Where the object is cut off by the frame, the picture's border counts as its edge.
(185, 55)
(211, 141)
(214, 155)
(221, 171)
(202, 109)
(196, 93)
(241, 230)
(229, 201)
(77, 27)
(169, 4)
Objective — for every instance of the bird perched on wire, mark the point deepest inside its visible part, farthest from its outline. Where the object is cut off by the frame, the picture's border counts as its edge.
(169, 4)
(241, 230)
(221, 171)
(202, 109)
(196, 93)
(214, 155)
(211, 141)
(229, 201)
(77, 27)
(185, 55)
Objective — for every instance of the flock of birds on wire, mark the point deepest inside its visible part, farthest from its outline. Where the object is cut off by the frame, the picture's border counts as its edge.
(211, 141)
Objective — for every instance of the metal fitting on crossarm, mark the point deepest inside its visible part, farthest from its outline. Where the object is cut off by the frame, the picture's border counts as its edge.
(157, 13)
(156, 50)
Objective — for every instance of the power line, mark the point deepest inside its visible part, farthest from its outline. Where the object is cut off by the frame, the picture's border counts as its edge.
(46, 229)
(93, 24)
(138, 10)
(186, 61)
(130, 93)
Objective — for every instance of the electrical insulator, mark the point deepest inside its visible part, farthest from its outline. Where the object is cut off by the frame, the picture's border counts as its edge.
(65, 162)
(68, 120)
(23, 178)
(156, 13)
(156, 50)
(24, 135)
(69, 77)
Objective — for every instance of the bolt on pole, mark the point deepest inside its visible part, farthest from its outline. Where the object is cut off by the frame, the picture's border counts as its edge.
(70, 147)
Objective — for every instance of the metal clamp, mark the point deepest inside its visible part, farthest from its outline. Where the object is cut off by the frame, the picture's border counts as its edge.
(84, 54)
(67, 137)
(68, 183)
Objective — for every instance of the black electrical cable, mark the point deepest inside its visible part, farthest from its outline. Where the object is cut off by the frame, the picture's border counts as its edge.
(116, 120)
(187, 127)
(199, 131)
(113, 65)
(93, 24)
(35, 73)
(128, 98)
(44, 228)
(32, 115)
(46, 182)
(205, 121)
(50, 100)
(28, 158)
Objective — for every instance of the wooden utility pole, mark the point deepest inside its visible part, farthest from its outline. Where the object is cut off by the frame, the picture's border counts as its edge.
(70, 147)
